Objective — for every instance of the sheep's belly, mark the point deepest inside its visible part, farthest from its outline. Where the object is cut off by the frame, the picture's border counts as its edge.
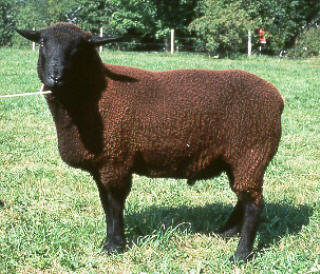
(201, 166)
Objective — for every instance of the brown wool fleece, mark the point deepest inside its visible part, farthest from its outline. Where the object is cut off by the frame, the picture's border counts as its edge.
(183, 124)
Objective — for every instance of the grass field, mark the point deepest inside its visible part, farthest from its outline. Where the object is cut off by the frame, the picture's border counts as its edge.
(51, 220)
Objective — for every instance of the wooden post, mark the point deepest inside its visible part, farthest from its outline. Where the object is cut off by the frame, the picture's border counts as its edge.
(172, 41)
(101, 35)
(33, 43)
(249, 43)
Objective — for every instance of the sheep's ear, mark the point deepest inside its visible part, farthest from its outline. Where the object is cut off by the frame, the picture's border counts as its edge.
(99, 41)
(30, 34)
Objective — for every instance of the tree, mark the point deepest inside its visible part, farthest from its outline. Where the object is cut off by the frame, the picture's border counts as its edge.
(7, 14)
(134, 16)
(174, 14)
(218, 26)
(150, 21)
(222, 26)
(40, 13)
(61, 10)
(91, 15)
(286, 19)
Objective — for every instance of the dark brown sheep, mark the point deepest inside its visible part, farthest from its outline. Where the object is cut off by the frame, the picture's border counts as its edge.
(113, 121)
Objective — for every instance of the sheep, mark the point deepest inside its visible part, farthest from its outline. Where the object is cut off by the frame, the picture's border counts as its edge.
(113, 121)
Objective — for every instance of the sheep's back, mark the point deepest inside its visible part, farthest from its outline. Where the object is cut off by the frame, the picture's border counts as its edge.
(183, 120)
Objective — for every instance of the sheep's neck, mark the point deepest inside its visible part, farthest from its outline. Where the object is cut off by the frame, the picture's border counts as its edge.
(79, 125)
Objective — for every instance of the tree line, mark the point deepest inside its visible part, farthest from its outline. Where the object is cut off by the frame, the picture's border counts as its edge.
(219, 27)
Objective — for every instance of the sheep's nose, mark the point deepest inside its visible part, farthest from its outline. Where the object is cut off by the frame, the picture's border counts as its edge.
(56, 78)
(54, 81)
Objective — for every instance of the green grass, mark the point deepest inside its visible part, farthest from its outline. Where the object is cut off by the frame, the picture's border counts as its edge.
(51, 220)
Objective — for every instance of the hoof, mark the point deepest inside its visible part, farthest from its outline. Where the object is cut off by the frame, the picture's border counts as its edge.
(241, 258)
(113, 248)
(227, 234)
(191, 182)
(1, 204)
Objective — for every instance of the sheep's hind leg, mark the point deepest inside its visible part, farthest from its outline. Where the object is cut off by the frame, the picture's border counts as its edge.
(113, 200)
(252, 209)
(234, 223)
(247, 180)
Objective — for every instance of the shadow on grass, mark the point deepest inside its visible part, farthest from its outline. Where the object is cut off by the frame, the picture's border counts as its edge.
(277, 220)
(1, 204)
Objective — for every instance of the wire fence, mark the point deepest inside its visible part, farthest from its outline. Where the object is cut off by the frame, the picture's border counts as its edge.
(188, 44)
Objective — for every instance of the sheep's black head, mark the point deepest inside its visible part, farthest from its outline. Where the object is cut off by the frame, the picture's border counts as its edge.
(66, 53)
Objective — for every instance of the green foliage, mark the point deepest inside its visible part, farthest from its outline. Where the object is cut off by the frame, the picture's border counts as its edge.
(222, 27)
(147, 21)
(91, 15)
(41, 13)
(218, 26)
(176, 14)
(133, 15)
(307, 43)
(221, 24)
(150, 21)
(283, 20)
(7, 14)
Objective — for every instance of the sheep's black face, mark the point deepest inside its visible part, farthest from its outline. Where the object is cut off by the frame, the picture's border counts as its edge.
(65, 54)
(62, 59)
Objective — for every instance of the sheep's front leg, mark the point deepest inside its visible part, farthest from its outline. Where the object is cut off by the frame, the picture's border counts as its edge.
(113, 197)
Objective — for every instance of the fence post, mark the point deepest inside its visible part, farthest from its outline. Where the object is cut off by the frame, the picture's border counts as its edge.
(101, 35)
(249, 43)
(172, 41)
(33, 43)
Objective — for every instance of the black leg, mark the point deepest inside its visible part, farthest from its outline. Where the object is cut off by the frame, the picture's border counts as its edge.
(249, 229)
(113, 201)
(234, 223)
